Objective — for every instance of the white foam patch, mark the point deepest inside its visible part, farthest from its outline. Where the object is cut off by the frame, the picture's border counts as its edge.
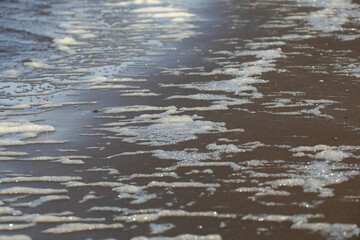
(154, 175)
(182, 237)
(227, 148)
(327, 153)
(317, 105)
(336, 231)
(111, 86)
(267, 54)
(183, 184)
(105, 209)
(36, 64)
(55, 105)
(39, 179)
(128, 189)
(232, 165)
(80, 227)
(140, 93)
(282, 218)
(12, 227)
(128, 154)
(264, 45)
(42, 200)
(67, 150)
(66, 49)
(67, 41)
(7, 127)
(87, 36)
(164, 129)
(75, 31)
(9, 211)
(111, 171)
(185, 155)
(315, 177)
(242, 86)
(153, 216)
(102, 79)
(17, 107)
(135, 2)
(137, 108)
(295, 37)
(95, 184)
(15, 237)
(32, 191)
(88, 197)
(175, 15)
(48, 218)
(61, 159)
(134, 192)
(7, 153)
(201, 96)
(142, 198)
(263, 191)
(214, 107)
(206, 171)
(159, 228)
(155, 10)
(70, 161)
(11, 73)
(163, 12)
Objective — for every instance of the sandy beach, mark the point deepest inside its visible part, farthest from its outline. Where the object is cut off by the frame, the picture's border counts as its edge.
(161, 119)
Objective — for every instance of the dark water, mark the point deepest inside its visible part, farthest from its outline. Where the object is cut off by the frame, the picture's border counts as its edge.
(151, 119)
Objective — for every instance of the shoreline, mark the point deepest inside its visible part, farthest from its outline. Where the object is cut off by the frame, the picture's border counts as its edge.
(223, 136)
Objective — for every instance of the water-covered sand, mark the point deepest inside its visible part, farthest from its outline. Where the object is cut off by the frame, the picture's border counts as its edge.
(161, 119)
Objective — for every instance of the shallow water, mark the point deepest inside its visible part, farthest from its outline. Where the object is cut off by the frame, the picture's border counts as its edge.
(160, 119)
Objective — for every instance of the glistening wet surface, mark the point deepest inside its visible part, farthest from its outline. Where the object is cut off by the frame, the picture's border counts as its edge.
(161, 119)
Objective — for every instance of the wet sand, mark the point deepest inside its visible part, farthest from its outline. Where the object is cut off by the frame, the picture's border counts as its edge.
(180, 120)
